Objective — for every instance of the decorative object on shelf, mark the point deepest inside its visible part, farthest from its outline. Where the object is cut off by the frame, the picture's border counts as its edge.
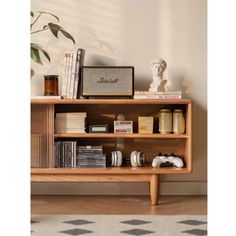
(51, 85)
(123, 126)
(157, 67)
(137, 158)
(158, 95)
(71, 74)
(178, 121)
(116, 158)
(98, 128)
(107, 81)
(175, 160)
(145, 124)
(54, 28)
(165, 121)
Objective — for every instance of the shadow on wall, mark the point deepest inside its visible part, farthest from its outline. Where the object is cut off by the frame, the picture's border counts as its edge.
(177, 79)
(99, 60)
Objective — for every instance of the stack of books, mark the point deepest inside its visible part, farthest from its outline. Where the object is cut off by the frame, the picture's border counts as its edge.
(71, 122)
(158, 95)
(90, 156)
(71, 76)
(65, 154)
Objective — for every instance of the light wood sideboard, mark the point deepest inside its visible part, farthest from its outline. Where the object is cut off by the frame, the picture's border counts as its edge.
(105, 111)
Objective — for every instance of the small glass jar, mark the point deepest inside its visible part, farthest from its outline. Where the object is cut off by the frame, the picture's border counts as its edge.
(165, 121)
(178, 121)
(51, 85)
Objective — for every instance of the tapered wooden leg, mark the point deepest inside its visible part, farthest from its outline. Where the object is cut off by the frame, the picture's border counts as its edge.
(154, 189)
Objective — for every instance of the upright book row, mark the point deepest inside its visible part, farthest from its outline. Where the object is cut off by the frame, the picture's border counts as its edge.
(71, 76)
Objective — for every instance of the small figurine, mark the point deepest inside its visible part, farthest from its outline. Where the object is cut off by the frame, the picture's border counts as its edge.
(158, 66)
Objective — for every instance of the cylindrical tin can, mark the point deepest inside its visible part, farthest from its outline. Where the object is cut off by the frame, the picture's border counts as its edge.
(178, 121)
(165, 121)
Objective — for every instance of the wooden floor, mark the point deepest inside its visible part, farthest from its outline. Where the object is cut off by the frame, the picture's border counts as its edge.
(168, 205)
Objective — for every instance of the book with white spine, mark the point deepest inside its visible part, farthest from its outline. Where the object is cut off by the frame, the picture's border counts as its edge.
(73, 74)
(64, 78)
(69, 74)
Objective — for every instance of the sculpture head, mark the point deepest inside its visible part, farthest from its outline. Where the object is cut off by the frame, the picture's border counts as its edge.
(158, 66)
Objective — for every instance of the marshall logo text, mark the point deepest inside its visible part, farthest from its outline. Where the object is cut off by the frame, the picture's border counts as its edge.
(103, 80)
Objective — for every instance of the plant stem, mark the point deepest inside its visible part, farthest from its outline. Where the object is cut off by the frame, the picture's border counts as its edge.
(35, 20)
(39, 30)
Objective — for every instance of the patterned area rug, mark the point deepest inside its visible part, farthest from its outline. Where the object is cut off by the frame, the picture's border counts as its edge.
(102, 225)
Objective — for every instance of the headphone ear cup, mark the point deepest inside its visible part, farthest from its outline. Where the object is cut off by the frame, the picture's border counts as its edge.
(141, 158)
(115, 158)
(119, 158)
(138, 158)
(112, 158)
(133, 158)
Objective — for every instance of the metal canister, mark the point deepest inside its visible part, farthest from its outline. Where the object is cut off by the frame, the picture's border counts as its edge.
(165, 121)
(178, 121)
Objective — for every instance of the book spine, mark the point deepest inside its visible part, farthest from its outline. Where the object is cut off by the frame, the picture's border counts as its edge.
(64, 78)
(158, 93)
(79, 63)
(73, 74)
(157, 97)
(69, 75)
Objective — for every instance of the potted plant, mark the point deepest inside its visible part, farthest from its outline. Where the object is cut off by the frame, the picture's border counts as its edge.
(36, 49)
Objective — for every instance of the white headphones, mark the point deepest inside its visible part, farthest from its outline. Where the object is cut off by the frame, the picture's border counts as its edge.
(116, 158)
(137, 158)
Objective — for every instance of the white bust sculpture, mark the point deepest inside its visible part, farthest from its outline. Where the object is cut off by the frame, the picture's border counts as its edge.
(157, 66)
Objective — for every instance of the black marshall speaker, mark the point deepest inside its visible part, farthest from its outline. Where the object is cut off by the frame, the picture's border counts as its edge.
(107, 81)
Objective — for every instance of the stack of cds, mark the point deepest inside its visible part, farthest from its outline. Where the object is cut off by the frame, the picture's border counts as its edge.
(90, 156)
(73, 122)
(65, 154)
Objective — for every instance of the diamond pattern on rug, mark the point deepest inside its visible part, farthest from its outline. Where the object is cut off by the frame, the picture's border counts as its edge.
(192, 222)
(76, 231)
(78, 222)
(137, 232)
(135, 222)
(197, 232)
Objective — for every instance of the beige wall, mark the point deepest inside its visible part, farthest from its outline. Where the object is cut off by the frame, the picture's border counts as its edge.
(133, 32)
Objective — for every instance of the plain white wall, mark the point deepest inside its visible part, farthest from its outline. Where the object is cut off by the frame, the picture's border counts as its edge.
(133, 32)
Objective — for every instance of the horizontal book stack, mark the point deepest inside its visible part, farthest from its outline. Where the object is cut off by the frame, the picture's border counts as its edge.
(71, 122)
(65, 154)
(90, 156)
(158, 95)
(71, 73)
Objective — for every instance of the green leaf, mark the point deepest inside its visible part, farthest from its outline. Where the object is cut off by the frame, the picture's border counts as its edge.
(32, 14)
(35, 55)
(67, 35)
(45, 26)
(57, 28)
(54, 29)
(43, 12)
(36, 47)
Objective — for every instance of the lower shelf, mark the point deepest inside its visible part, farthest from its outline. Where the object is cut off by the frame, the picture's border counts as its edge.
(109, 171)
